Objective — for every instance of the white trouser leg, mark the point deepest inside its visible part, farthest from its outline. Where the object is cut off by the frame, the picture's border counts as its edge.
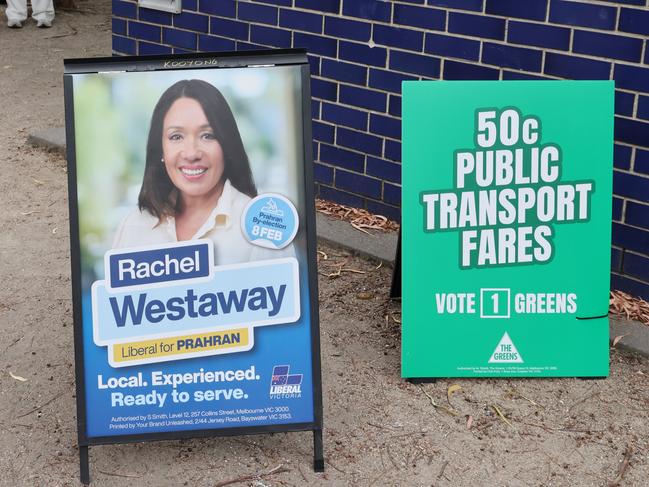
(16, 10)
(43, 10)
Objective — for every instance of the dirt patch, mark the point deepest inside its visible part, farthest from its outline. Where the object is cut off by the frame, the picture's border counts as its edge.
(379, 429)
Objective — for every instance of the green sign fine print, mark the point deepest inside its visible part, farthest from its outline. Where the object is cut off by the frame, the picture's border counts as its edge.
(507, 193)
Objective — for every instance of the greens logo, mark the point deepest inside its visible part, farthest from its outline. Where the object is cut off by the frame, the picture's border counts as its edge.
(507, 193)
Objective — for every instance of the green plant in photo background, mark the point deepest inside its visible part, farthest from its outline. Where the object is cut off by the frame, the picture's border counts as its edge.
(112, 117)
(99, 153)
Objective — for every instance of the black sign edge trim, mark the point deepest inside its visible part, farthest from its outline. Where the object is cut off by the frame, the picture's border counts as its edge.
(88, 65)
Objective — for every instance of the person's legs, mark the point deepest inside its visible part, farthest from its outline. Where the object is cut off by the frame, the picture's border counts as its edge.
(16, 12)
(43, 12)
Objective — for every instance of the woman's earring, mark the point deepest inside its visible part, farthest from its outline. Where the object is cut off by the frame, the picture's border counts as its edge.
(162, 160)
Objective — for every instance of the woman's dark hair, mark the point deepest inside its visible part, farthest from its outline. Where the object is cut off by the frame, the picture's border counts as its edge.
(158, 195)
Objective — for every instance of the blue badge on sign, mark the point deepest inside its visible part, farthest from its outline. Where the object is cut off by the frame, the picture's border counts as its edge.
(270, 220)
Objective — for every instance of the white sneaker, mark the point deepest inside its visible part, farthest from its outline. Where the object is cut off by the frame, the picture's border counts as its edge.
(43, 24)
(14, 24)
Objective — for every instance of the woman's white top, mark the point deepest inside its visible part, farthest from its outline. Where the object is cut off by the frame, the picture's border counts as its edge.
(223, 227)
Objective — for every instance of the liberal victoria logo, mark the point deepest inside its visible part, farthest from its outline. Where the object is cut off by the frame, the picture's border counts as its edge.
(284, 385)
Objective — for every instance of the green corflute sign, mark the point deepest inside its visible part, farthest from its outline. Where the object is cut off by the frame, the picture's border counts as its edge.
(506, 228)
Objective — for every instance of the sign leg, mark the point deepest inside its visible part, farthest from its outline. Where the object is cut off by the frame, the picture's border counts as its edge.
(395, 289)
(422, 380)
(318, 451)
(84, 465)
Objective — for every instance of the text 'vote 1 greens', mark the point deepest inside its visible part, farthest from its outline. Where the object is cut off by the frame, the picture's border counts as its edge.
(506, 228)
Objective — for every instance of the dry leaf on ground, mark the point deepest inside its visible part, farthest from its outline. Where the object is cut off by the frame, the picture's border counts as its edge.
(617, 339)
(452, 390)
(17, 377)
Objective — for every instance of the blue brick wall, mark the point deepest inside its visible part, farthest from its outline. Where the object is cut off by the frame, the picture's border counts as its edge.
(361, 50)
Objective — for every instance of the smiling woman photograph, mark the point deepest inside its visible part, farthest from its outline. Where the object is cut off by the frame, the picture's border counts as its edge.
(197, 177)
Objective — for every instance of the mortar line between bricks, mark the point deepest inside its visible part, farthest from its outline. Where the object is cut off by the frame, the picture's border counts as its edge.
(385, 68)
(635, 252)
(631, 171)
(636, 201)
(635, 227)
(628, 91)
(628, 276)
(626, 117)
(636, 64)
(631, 146)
